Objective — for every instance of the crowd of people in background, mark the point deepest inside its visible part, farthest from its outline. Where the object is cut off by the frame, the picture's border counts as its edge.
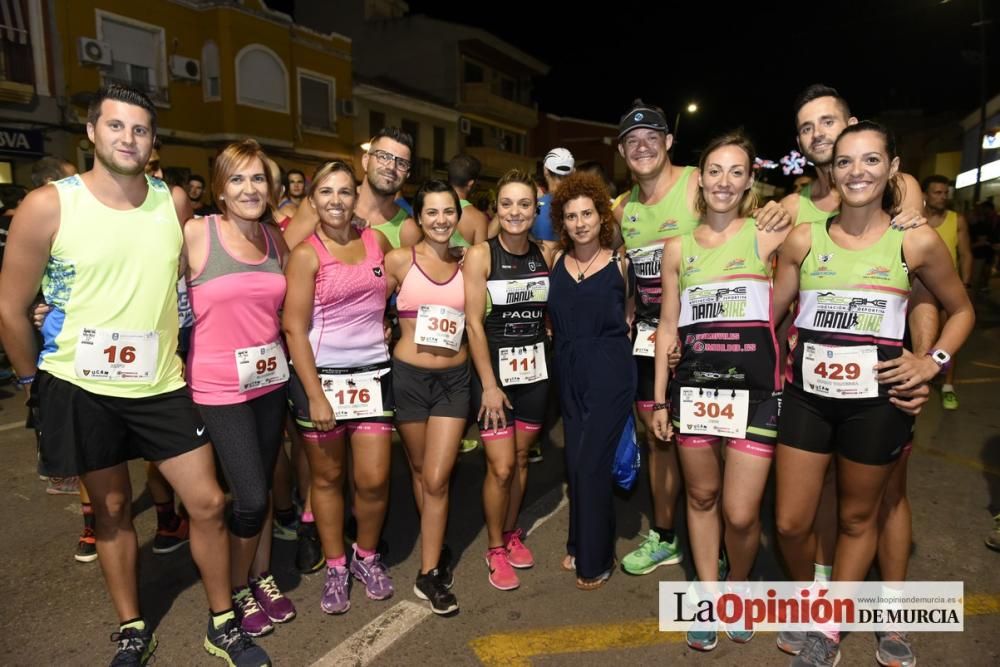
(257, 304)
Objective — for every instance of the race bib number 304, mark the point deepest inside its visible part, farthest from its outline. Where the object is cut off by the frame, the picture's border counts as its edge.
(522, 365)
(117, 356)
(354, 396)
(840, 372)
(645, 340)
(439, 326)
(722, 413)
(261, 366)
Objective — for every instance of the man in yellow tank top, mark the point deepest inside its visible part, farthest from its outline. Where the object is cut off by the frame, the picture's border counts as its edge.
(954, 231)
(105, 247)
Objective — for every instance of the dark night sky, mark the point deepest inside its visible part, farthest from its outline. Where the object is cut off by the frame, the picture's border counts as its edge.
(745, 63)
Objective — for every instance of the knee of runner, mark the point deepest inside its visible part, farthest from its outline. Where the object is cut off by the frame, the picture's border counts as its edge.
(792, 526)
(436, 487)
(247, 522)
(741, 519)
(113, 510)
(702, 499)
(208, 504)
(369, 488)
(503, 473)
(331, 481)
(857, 523)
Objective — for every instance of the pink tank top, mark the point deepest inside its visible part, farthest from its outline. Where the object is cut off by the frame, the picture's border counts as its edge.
(235, 306)
(419, 289)
(348, 308)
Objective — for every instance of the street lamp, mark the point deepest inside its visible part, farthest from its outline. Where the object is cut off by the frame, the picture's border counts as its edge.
(691, 109)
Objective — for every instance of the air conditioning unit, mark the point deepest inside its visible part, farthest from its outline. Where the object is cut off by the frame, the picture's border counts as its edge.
(188, 69)
(465, 126)
(94, 52)
(347, 108)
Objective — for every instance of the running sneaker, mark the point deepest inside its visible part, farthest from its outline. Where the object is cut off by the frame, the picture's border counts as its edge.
(444, 570)
(235, 646)
(373, 574)
(272, 601)
(308, 552)
(63, 486)
(818, 651)
(337, 591)
(169, 541)
(468, 445)
(949, 400)
(535, 454)
(286, 532)
(894, 650)
(86, 548)
(502, 575)
(791, 642)
(430, 587)
(135, 647)
(739, 635)
(651, 554)
(702, 640)
(993, 539)
(252, 618)
(518, 555)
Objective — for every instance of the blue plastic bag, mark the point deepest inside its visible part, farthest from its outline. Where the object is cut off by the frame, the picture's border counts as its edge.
(625, 467)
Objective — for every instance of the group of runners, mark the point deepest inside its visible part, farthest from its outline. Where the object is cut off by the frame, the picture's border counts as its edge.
(359, 320)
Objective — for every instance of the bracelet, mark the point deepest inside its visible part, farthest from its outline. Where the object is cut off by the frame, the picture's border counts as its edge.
(26, 380)
(660, 406)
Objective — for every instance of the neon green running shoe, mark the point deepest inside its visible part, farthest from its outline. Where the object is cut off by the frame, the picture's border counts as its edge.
(467, 445)
(949, 400)
(651, 554)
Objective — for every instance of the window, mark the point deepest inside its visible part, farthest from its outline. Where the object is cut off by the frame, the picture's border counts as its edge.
(210, 72)
(475, 137)
(261, 79)
(138, 57)
(317, 101)
(376, 121)
(412, 128)
(438, 146)
(473, 72)
(16, 62)
(508, 89)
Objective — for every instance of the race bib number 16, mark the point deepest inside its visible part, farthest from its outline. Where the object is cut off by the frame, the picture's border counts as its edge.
(117, 356)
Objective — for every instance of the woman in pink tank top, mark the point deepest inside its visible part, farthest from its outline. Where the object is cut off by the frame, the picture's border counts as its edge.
(341, 384)
(431, 376)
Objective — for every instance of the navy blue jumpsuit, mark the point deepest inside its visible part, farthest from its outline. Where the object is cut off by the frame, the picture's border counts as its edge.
(597, 381)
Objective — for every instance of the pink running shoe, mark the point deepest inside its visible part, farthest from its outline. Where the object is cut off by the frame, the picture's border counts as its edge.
(517, 554)
(502, 575)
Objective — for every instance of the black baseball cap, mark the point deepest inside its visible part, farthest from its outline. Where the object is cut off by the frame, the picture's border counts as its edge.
(642, 115)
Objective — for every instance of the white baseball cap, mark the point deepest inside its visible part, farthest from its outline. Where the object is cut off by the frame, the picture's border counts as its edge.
(559, 161)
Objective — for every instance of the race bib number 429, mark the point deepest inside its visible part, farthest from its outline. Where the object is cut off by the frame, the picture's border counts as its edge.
(117, 356)
(840, 372)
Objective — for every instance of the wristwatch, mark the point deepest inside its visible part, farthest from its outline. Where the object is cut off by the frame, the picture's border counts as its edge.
(941, 358)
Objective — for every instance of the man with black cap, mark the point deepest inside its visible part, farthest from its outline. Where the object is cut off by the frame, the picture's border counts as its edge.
(660, 205)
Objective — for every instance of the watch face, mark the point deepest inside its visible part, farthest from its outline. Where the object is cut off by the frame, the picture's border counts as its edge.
(942, 357)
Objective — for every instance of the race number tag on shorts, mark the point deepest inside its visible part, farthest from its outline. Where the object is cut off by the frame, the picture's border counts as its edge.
(117, 356)
(440, 326)
(354, 396)
(718, 412)
(261, 366)
(840, 372)
(645, 340)
(522, 365)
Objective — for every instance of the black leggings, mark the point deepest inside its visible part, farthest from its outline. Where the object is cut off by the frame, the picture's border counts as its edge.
(246, 437)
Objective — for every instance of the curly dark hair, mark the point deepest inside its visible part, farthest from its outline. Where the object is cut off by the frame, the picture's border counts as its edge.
(581, 184)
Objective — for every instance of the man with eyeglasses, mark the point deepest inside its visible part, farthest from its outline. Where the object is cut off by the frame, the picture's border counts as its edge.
(386, 165)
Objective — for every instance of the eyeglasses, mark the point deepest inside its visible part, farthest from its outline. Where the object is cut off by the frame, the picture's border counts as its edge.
(385, 159)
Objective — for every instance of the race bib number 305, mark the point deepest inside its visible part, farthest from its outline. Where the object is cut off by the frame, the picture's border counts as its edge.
(354, 396)
(840, 372)
(117, 356)
(440, 326)
(522, 365)
(719, 412)
(261, 366)
(645, 340)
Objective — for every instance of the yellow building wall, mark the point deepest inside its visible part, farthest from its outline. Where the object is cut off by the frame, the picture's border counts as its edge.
(186, 30)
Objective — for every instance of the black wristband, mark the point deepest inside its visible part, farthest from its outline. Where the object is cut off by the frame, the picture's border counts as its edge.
(660, 406)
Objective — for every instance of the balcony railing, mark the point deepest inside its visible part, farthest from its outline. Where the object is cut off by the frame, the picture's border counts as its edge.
(479, 98)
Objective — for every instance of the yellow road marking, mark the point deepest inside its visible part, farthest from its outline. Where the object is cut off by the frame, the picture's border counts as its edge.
(516, 649)
(978, 380)
(960, 460)
(986, 365)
